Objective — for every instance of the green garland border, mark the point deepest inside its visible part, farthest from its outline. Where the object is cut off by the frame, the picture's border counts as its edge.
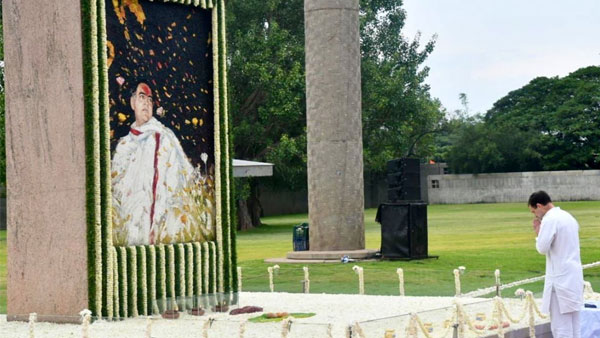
(123, 281)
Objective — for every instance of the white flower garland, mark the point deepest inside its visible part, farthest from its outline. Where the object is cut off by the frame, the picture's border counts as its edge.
(144, 280)
(116, 297)
(96, 157)
(205, 262)
(198, 268)
(499, 309)
(400, 273)
(181, 275)
(206, 326)
(359, 330)
(361, 281)
(270, 271)
(306, 280)
(213, 260)
(456, 282)
(463, 317)
(152, 274)
(239, 278)
(32, 320)
(162, 274)
(531, 315)
(415, 321)
(110, 283)
(217, 145)
(286, 327)
(498, 284)
(171, 262)
(520, 293)
(124, 281)
(86, 316)
(588, 292)
(132, 257)
(189, 250)
(223, 41)
(484, 291)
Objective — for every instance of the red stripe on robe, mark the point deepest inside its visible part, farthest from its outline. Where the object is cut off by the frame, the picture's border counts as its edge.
(154, 183)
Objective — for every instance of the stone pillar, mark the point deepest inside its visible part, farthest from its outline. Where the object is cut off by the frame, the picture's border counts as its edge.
(333, 114)
(45, 155)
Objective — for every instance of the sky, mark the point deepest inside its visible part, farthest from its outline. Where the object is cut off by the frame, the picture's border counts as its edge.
(488, 48)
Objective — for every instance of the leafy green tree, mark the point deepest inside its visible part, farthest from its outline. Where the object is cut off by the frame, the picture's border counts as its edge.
(266, 86)
(399, 116)
(549, 124)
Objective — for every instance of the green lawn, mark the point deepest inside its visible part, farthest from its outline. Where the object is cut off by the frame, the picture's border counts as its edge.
(481, 237)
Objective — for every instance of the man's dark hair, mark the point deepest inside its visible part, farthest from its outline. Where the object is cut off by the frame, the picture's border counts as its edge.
(136, 84)
(540, 197)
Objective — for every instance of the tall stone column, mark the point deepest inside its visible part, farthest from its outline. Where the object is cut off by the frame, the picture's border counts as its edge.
(45, 160)
(333, 114)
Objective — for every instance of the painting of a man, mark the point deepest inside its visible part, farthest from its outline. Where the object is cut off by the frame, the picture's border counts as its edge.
(153, 181)
(162, 134)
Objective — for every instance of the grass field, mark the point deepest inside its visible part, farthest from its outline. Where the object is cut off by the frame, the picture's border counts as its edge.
(481, 237)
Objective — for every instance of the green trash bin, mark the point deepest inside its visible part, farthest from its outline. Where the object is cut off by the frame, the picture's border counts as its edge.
(300, 237)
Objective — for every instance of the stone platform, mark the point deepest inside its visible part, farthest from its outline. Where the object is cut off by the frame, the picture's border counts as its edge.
(324, 256)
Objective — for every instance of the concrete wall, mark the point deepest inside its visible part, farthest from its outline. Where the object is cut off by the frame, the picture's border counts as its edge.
(572, 185)
(281, 202)
(430, 169)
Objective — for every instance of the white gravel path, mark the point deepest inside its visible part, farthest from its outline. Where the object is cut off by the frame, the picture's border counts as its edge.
(339, 310)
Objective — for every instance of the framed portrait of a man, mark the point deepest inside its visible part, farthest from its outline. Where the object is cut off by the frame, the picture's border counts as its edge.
(158, 165)
(160, 75)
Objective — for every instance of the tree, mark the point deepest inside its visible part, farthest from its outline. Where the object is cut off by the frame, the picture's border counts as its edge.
(399, 115)
(266, 79)
(549, 124)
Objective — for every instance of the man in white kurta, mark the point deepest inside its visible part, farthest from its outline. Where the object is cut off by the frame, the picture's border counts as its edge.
(153, 182)
(558, 238)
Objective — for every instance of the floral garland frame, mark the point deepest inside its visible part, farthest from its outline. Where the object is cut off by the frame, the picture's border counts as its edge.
(110, 290)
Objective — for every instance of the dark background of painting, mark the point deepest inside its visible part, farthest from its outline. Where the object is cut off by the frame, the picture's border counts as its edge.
(168, 45)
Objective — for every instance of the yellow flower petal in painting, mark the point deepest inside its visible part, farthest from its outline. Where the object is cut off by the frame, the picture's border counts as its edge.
(187, 121)
(183, 218)
(137, 10)
(195, 121)
(119, 10)
(122, 117)
(201, 122)
(111, 53)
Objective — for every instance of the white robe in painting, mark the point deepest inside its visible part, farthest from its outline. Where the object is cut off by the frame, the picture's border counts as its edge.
(151, 182)
(558, 239)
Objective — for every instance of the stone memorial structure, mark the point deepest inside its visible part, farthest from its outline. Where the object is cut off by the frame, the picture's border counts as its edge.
(68, 106)
(333, 113)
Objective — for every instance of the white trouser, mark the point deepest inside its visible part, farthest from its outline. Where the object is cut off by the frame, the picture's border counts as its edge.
(564, 325)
